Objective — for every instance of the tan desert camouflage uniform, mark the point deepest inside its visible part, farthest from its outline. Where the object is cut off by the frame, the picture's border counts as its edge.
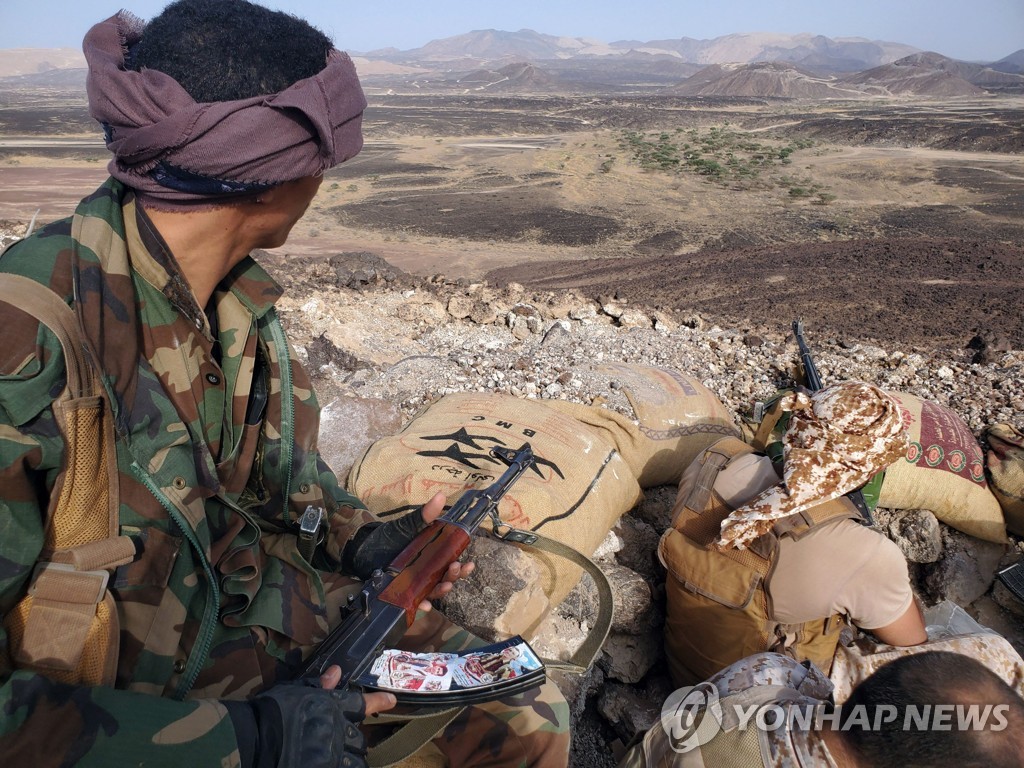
(770, 679)
(837, 439)
(216, 459)
(858, 658)
(761, 680)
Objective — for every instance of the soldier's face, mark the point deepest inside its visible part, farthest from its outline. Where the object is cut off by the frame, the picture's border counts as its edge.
(281, 207)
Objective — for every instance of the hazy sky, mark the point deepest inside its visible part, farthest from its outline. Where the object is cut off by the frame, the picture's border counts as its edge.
(964, 29)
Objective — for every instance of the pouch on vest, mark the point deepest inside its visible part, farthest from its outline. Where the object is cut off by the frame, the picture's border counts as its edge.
(719, 603)
(66, 627)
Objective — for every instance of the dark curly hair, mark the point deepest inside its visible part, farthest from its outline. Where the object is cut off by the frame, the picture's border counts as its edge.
(223, 50)
(925, 680)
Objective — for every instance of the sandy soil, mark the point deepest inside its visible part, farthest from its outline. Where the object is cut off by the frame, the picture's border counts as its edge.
(916, 243)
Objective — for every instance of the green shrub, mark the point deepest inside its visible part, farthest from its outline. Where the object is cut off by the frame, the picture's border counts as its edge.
(719, 153)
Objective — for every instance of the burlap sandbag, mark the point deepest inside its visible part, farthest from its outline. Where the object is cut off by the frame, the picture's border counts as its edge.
(577, 490)
(676, 417)
(943, 471)
(1005, 464)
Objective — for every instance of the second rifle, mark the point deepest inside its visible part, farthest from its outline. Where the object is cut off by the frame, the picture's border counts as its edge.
(814, 383)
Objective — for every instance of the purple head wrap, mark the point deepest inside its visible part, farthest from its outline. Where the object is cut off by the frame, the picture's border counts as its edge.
(176, 151)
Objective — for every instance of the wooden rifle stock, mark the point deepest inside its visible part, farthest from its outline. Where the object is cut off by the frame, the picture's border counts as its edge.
(421, 565)
(387, 603)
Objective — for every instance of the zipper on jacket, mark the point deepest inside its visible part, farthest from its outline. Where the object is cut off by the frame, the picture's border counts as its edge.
(201, 650)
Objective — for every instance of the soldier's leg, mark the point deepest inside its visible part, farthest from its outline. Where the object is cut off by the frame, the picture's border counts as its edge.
(525, 729)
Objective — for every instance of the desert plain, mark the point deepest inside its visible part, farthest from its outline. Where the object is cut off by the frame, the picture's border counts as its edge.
(892, 221)
(893, 227)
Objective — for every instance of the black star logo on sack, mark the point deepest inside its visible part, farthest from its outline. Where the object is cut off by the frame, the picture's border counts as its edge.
(462, 437)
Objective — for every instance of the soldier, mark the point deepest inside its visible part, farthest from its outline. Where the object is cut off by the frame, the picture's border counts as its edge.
(757, 562)
(932, 709)
(155, 587)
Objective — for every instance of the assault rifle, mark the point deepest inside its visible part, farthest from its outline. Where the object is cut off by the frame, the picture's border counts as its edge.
(386, 605)
(806, 359)
(814, 383)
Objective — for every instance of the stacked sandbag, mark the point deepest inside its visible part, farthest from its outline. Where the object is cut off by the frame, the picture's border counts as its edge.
(674, 418)
(590, 464)
(943, 471)
(1005, 465)
(575, 491)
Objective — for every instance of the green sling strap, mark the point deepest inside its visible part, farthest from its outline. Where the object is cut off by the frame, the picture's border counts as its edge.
(421, 728)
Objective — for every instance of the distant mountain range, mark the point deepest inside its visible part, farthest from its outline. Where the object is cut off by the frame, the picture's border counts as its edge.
(840, 54)
(32, 61)
(1014, 63)
(742, 65)
(920, 74)
(801, 66)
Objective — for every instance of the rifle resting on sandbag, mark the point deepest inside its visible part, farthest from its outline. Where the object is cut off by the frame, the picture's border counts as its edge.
(814, 383)
(386, 605)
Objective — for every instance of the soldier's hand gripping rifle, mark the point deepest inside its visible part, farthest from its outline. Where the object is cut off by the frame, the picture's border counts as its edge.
(386, 605)
(814, 383)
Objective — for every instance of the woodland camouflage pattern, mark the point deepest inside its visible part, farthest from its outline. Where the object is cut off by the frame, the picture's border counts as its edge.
(220, 604)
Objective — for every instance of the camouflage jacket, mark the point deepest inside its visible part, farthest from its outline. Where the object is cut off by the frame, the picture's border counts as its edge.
(216, 459)
(728, 733)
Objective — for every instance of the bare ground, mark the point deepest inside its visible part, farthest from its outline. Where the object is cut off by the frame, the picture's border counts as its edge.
(911, 292)
(916, 240)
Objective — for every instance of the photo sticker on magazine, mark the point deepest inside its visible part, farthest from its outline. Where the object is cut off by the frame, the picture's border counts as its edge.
(480, 674)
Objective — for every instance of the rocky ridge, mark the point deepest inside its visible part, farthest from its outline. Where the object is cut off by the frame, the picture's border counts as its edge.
(377, 332)
(382, 345)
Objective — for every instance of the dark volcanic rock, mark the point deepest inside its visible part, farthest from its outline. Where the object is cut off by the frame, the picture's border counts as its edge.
(913, 291)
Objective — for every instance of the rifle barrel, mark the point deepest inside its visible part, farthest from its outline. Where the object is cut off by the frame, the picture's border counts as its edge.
(806, 359)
